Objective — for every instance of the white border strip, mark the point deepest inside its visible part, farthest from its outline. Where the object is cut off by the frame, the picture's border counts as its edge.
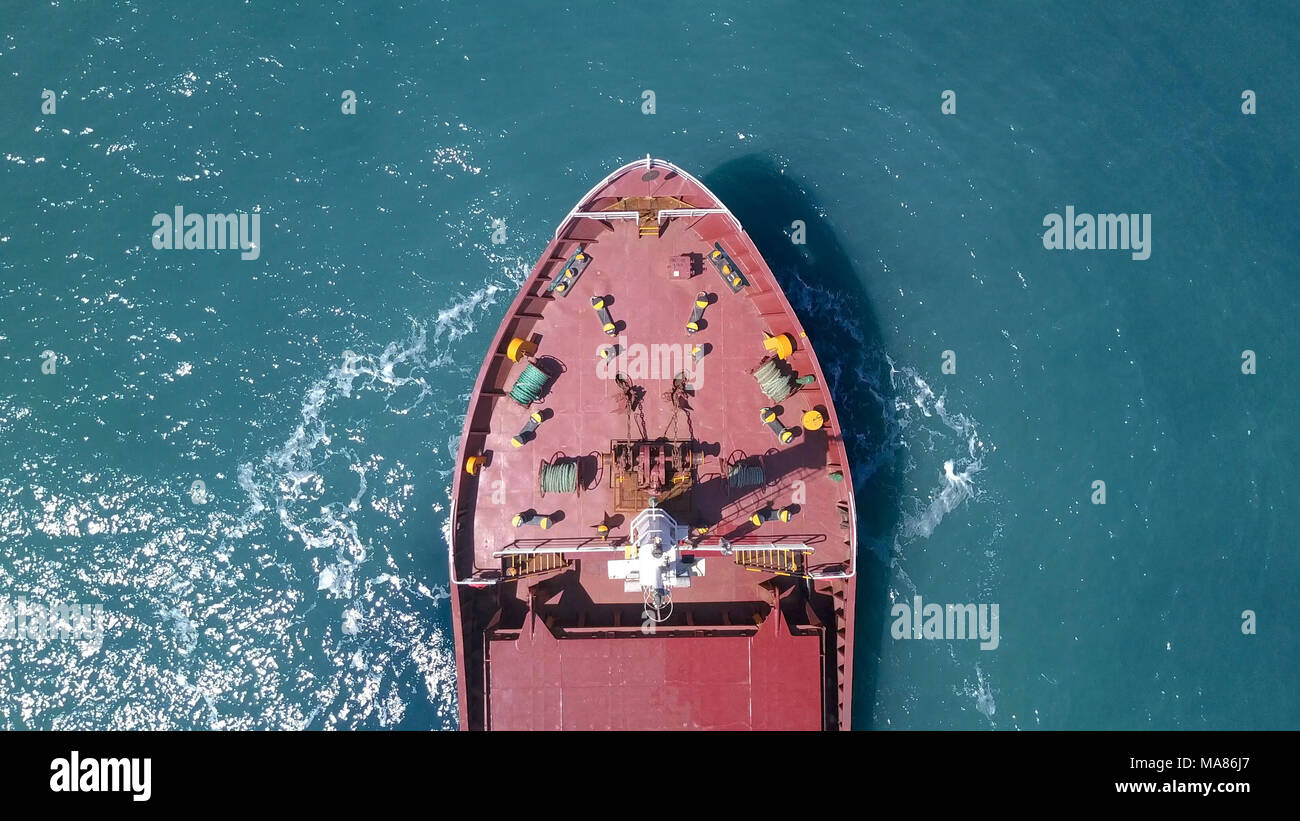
(647, 163)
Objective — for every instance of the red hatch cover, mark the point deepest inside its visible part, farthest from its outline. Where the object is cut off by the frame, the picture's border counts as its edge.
(770, 681)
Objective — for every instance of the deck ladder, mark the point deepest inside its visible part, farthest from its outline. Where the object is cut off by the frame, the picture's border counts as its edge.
(518, 565)
(783, 559)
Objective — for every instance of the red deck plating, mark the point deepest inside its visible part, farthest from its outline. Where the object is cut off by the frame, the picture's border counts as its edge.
(547, 635)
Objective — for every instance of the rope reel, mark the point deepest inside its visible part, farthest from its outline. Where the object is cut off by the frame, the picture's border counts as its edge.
(529, 386)
(740, 475)
(559, 476)
(776, 382)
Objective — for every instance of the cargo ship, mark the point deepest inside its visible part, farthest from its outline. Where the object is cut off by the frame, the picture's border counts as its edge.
(652, 522)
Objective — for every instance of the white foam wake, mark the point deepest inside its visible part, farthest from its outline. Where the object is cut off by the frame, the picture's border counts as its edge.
(916, 407)
(954, 489)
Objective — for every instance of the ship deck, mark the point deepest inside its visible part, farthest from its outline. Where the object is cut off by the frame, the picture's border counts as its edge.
(648, 274)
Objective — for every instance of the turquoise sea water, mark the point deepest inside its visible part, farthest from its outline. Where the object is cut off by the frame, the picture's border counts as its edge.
(317, 391)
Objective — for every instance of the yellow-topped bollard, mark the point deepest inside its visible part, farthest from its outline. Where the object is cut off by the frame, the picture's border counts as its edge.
(473, 464)
(813, 420)
(519, 348)
(781, 345)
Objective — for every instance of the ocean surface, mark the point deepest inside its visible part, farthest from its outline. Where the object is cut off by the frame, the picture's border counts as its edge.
(316, 392)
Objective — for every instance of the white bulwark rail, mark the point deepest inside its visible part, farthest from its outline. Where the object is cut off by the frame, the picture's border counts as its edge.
(648, 163)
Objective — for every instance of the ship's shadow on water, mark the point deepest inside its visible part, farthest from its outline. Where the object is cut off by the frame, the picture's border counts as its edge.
(826, 291)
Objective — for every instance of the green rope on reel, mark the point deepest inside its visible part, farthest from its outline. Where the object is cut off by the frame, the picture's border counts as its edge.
(529, 385)
(774, 381)
(559, 476)
(745, 476)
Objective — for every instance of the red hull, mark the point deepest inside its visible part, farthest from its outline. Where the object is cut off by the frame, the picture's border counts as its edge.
(558, 625)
